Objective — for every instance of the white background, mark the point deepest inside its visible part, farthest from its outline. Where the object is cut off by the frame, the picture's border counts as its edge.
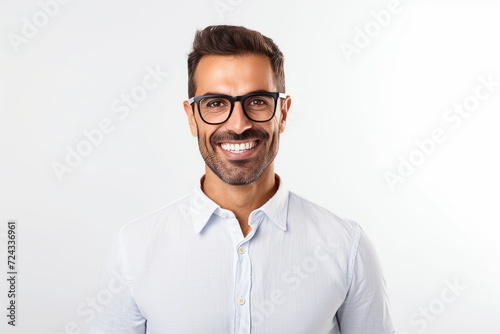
(349, 123)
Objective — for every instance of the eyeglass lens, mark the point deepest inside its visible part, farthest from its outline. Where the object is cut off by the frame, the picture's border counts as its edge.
(258, 108)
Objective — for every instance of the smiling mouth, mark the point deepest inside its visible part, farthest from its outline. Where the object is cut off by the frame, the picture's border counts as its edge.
(238, 147)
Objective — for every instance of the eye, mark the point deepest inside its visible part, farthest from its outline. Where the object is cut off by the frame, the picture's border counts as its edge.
(215, 103)
(258, 102)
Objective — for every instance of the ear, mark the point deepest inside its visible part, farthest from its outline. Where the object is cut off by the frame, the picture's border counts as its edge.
(285, 107)
(191, 118)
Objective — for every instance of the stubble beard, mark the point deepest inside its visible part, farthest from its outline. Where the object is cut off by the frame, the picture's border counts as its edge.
(239, 172)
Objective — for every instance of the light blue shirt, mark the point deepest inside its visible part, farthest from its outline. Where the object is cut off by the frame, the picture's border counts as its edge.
(187, 268)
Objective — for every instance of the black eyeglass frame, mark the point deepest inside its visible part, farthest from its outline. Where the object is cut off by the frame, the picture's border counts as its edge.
(232, 100)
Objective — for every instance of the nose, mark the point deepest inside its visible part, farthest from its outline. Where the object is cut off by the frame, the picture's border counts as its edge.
(238, 122)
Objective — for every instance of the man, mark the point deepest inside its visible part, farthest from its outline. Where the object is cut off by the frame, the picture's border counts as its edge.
(241, 253)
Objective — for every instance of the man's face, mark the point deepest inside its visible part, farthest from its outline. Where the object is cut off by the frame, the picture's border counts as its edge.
(234, 76)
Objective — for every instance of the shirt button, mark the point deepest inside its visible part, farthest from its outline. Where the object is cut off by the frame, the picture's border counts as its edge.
(241, 301)
(241, 250)
(223, 215)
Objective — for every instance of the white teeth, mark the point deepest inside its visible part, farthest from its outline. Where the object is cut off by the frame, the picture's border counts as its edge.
(238, 147)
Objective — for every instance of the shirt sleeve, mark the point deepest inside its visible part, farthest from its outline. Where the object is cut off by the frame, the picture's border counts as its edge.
(118, 313)
(365, 309)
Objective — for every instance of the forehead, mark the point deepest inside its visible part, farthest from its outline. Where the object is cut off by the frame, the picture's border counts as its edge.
(234, 75)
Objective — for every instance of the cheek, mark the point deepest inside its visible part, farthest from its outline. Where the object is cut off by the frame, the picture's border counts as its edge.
(275, 128)
(205, 135)
(273, 132)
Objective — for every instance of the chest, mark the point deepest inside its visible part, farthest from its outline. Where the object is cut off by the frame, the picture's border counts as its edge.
(254, 286)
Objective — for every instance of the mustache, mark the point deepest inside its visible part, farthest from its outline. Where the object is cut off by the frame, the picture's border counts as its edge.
(232, 136)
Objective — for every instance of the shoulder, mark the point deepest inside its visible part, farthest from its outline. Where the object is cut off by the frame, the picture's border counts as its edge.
(310, 221)
(319, 216)
(155, 221)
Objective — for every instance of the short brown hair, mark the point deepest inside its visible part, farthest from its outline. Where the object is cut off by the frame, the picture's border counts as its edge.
(228, 40)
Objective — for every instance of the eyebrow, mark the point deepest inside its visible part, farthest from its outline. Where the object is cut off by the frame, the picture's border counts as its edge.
(254, 91)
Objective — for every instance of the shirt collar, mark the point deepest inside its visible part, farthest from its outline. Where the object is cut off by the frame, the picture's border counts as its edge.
(201, 208)
(276, 208)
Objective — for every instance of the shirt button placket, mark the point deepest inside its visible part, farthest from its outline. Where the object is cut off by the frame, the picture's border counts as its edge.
(243, 284)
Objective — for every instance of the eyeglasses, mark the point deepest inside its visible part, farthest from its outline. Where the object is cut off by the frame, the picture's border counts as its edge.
(216, 109)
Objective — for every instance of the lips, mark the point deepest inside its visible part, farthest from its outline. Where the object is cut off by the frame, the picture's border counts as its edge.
(239, 147)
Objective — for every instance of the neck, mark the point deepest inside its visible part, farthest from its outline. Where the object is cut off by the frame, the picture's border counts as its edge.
(240, 199)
